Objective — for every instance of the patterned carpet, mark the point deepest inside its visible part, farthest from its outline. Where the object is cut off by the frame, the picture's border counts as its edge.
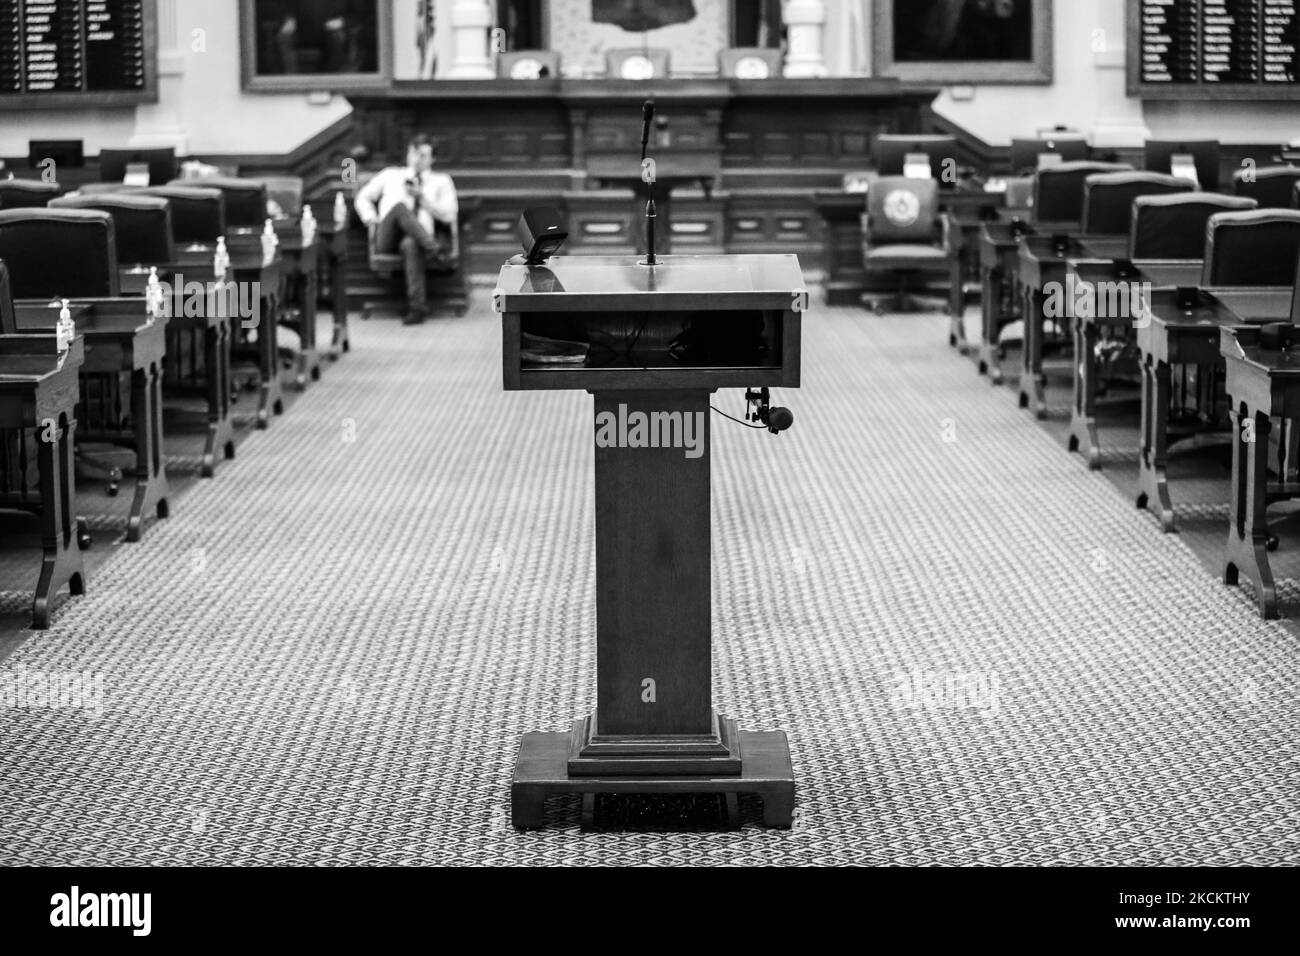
(981, 653)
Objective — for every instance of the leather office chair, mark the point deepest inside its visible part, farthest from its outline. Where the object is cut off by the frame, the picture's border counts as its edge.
(285, 192)
(637, 64)
(245, 199)
(905, 235)
(1255, 248)
(71, 253)
(1173, 226)
(1058, 190)
(198, 214)
(1108, 198)
(27, 193)
(1273, 187)
(8, 321)
(68, 253)
(1025, 152)
(446, 284)
(528, 65)
(142, 225)
(750, 63)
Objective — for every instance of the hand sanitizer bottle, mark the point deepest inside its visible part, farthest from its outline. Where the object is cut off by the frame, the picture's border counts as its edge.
(269, 242)
(221, 262)
(153, 295)
(340, 210)
(66, 330)
(308, 225)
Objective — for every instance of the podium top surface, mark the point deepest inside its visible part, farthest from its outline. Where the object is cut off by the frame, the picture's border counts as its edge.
(567, 283)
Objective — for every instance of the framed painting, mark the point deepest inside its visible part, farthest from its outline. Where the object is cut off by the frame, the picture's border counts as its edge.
(963, 41)
(304, 45)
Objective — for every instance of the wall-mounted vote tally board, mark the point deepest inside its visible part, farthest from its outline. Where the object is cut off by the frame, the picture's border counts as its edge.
(1214, 49)
(77, 53)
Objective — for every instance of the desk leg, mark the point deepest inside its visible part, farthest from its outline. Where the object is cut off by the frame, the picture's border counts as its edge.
(1248, 533)
(339, 296)
(221, 428)
(272, 400)
(1032, 392)
(308, 359)
(62, 552)
(957, 302)
(990, 322)
(151, 489)
(1153, 483)
(1083, 410)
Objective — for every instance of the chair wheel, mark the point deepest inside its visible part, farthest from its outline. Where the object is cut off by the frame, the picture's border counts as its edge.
(112, 489)
(84, 539)
(1271, 543)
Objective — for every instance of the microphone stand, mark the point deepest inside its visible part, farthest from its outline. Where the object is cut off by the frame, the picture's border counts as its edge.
(651, 214)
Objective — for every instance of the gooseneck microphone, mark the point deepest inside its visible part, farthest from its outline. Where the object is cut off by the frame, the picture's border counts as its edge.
(648, 177)
(647, 117)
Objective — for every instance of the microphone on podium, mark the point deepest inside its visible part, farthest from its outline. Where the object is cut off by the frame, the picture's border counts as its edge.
(647, 117)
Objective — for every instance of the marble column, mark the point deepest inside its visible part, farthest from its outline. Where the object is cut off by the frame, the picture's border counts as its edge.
(805, 22)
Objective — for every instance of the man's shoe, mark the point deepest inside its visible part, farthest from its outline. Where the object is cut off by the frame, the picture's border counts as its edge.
(414, 317)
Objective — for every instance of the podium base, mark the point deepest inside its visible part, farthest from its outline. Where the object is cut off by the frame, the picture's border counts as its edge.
(715, 754)
(541, 771)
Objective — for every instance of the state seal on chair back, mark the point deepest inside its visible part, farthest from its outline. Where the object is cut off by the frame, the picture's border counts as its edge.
(59, 252)
(903, 231)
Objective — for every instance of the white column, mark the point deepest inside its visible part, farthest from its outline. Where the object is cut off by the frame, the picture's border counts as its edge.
(804, 22)
(470, 22)
(162, 124)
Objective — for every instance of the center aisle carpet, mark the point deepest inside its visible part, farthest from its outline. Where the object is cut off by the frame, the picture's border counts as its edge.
(980, 652)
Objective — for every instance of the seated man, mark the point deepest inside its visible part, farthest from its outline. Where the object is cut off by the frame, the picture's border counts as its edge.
(402, 204)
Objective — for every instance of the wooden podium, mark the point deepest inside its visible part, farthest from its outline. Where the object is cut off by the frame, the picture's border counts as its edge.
(659, 340)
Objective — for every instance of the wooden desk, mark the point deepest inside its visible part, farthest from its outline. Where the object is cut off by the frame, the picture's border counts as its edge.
(301, 277)
(119, 338)
(1262, 385)
(246, 265)
(654, 728)
(38, 391)
(214, 326)
(998, 255)
(1041, 261)
(334, 243)
(1170, 335)
(1113, 313)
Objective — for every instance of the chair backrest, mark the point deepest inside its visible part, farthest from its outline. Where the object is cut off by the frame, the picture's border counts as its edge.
(1258, 248)
(900, 209)
(1273, 187)
(637, 64)
(750, 62)
(142, 224)
(198, 215)
(245, 198)
(161, 162)
(528, 65)
(1295, 196)
(1204, 152)
(1058, 190)
(59, 252)
(1025, 152)
(8, 320)
(27, 193)
(1108, 198)
(1173, 226)
(1020, 192)
(285, 192)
